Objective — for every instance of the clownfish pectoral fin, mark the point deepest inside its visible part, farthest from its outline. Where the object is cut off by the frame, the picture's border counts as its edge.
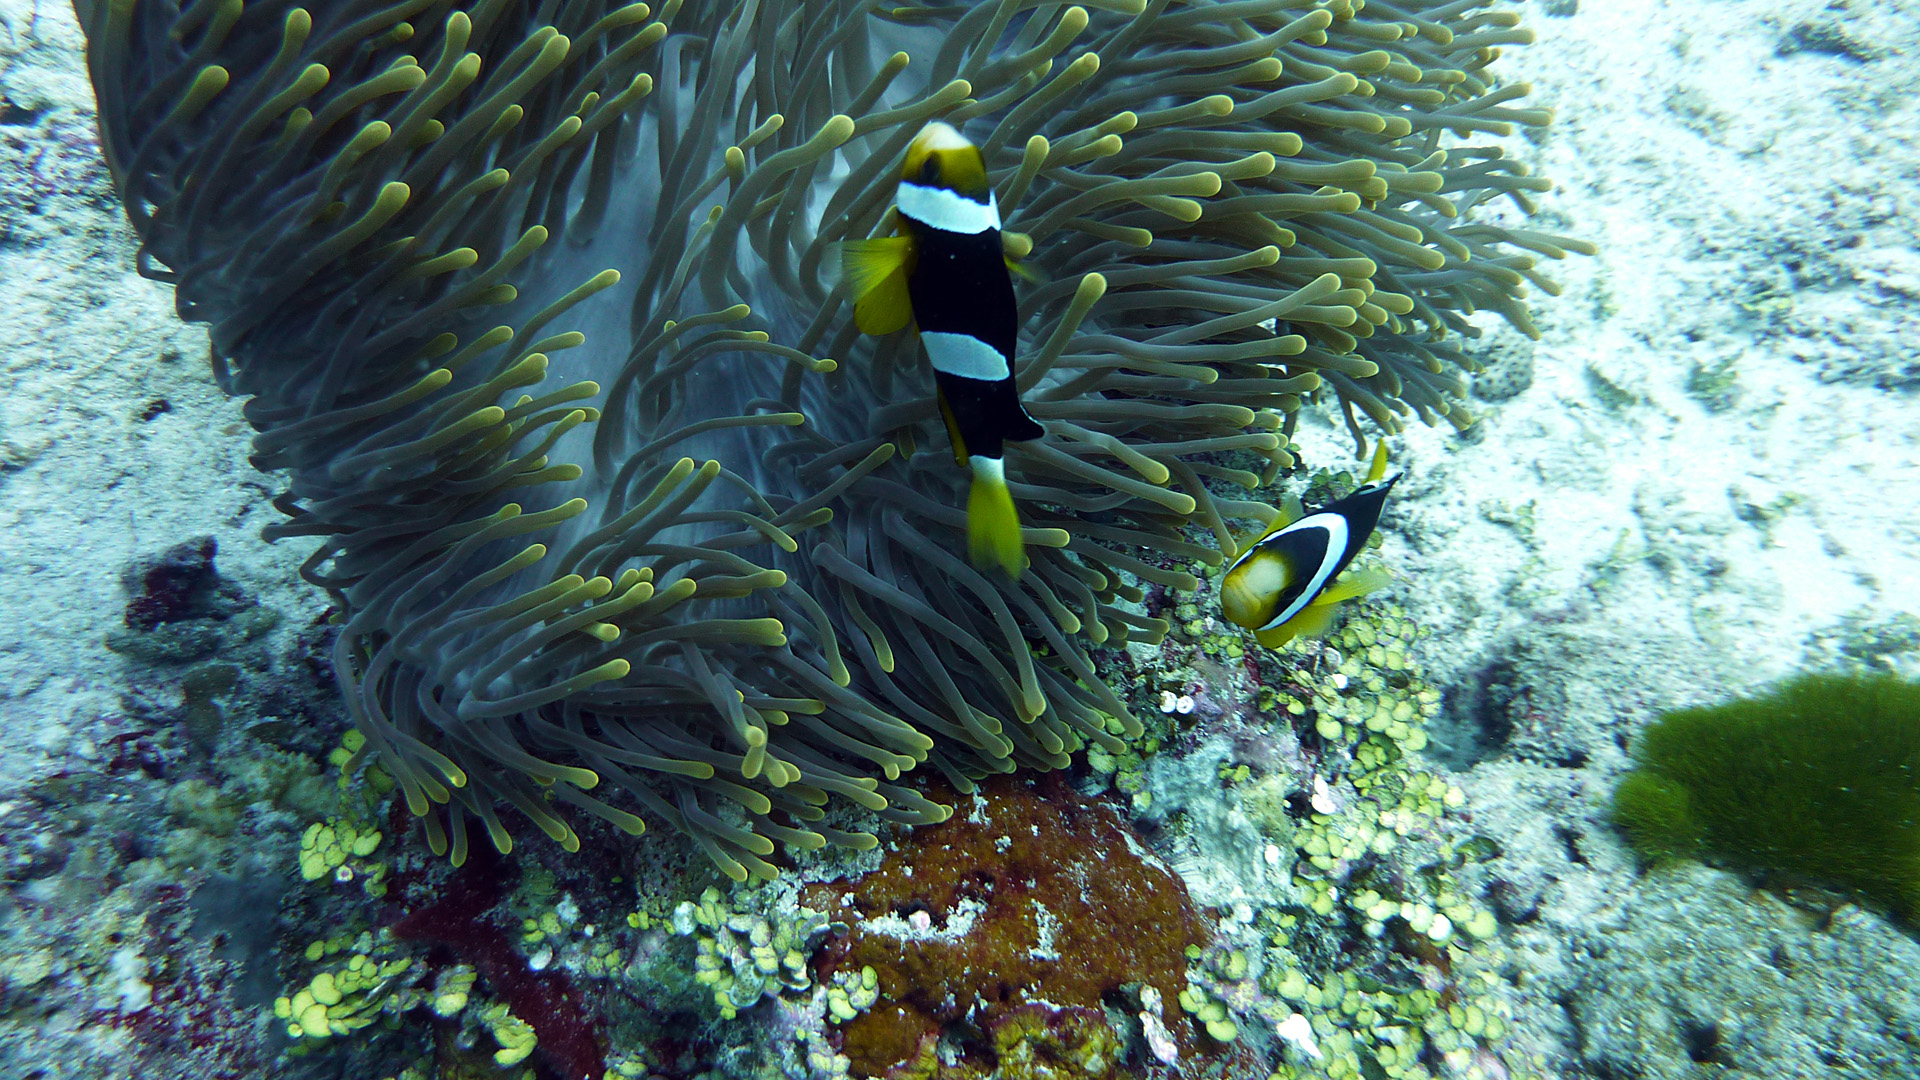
(1353, 583)
(1314, 620)
(1015, 246)
(875, 272)
(1317, 617)
(953, 431)
(993, 526)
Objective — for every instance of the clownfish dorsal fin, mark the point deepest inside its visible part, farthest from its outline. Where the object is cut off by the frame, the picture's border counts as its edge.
(1290, 511)
(875, 272)
(960, 455)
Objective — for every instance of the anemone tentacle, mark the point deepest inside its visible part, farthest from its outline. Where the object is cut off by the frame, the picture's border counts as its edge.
(623, 515)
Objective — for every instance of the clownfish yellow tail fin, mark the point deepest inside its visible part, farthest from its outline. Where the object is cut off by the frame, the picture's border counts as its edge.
(1379, 468)
(993, 526)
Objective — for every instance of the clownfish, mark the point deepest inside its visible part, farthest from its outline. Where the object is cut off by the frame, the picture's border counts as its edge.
(945, 271)
(1283, 586)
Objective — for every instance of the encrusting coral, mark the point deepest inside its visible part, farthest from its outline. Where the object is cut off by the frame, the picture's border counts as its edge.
(1818, 780)
(698, 563)
(1018, 917)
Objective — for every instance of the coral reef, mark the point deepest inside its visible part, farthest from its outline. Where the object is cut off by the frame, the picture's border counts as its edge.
(745, 957)
(1034, 934)
(1817, 780)
(1287, 789)
(534, 1005)
(1000, 935)
(142, 880)
(178, 584)
(738, 597)
(181, 609)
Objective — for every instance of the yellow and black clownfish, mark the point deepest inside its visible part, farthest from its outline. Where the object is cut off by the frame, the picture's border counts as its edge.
(946, 272)
(1286, 581)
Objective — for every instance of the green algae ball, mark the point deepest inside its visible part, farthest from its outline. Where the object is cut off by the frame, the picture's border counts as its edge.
(1657, 815)
(1818, 780)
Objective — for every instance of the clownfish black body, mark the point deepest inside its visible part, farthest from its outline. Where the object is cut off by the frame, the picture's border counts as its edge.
(1286, 582)
(947, 272)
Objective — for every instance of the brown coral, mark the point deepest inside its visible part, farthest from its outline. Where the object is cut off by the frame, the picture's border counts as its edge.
(1031, 895)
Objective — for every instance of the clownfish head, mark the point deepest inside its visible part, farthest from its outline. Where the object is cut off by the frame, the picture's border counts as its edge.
(941, 157)
(1251, 590)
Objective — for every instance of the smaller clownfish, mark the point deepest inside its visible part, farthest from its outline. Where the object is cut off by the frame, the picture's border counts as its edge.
(946, 272)
(1283, 586)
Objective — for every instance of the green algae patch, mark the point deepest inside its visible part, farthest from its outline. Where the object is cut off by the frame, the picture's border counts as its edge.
(1818, 780)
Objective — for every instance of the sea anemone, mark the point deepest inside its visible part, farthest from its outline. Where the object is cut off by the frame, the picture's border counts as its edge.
(745, 598)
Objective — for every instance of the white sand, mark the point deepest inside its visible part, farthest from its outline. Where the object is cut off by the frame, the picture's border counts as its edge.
(1702, 163)
(85, 485)
(1624, 549)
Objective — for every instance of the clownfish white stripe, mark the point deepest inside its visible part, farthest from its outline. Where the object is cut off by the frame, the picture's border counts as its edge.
(942, 209)
(1336, 530)
(964, 355)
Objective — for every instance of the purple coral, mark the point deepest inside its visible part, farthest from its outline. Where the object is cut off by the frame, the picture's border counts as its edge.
(172, 585)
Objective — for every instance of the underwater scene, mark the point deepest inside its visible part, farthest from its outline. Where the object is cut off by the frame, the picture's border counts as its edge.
(921, 540)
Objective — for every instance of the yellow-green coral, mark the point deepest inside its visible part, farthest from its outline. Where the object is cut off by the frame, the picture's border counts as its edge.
(326, 846)
(1363, 1028)
(450, 991)
(852, 993)
(1373, 854)
(340, 1000)
(625, 1065)
(745, 957)
(337, 845)
(348, 758)
(560, 928)
(1211, 1011)
(515, 1036)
